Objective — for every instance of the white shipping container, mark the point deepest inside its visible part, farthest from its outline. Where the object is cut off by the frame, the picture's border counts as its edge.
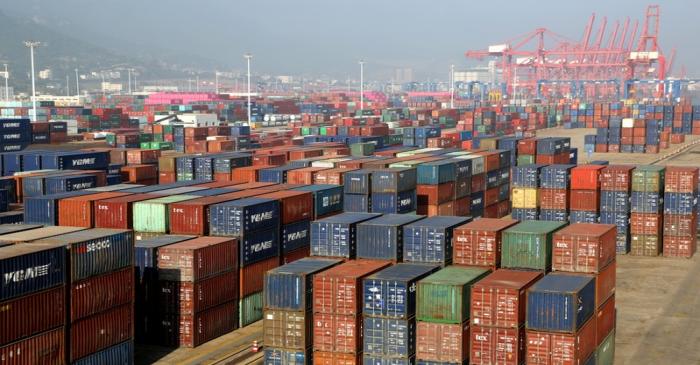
(627, 122)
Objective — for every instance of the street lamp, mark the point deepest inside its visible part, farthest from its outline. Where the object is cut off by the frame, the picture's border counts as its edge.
(77, 83)
(7, 87)
(248, 57)
(128, 72)
(362, 84)
(452, 86)
(31, 45)
(216, 81)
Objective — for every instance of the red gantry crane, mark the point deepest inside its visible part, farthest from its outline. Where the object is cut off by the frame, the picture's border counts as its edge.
(594, 61)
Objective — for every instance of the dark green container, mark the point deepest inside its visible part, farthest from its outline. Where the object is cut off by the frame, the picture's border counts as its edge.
(648, 178)
(605, 353)
(528, 245)
(525, 160)
(361, 149)
(250, 309)
(444, 297)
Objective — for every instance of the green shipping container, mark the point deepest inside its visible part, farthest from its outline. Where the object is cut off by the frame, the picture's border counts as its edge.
(528, 245)
(153, 215)
(361, 149)
(145, 137)
(444, 297)
(158, 137)
(161, 145)
(525, 160)
(250, 309)
(648, 178)
(605, 353)
(145, 145)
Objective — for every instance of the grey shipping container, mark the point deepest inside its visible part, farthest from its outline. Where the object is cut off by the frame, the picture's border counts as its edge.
(391, 292)
(336, 235)
(358, 181)
(430, 240)
(289, 287)
(393, 180)
(382, 238)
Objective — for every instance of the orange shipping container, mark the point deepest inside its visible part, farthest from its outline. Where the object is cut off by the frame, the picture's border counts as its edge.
(79, 211)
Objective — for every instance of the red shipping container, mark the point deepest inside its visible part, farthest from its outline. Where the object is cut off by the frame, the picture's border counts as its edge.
(139, 173)
(545, 159)
(499, 299)
(117, 212)
(492, 160)
(99, 293)
(491, 211)
(336, 358)
(478, 183)
(140, 157)
(195, 146)
(605, 320)
(31, 314)
(100, 331)
(492, 345)
(551, 348)
(331, 176)
(187, 298)
(527, 146)
(463, 206)
(435, 210)
(586, 177)
(679, 246)
(554, 199)
(304, 175)
(646, 223)
(583, 247)
(197, 258)
(166, 177)
(442, 342)
(338, 290)
(337, 333)
(677, 138)
(247, 174)
(616, 177)
(435, 194)
(250, 277)
(681, 225)
(47, 348)
(681, 179)
(294, 205)
(491, 196)
(276, 159)
(79, 211)
(194, 330)
(584, 200)
(296, 254)
(479, 242)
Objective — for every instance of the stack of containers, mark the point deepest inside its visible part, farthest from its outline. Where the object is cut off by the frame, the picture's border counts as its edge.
(198, 296)
(389, 310)
(680, 211)
(525, 193)
(477, 184)
(585, 193)
(496, 186)
(587, 249)
(436, 188)
(557, 331)
(555, 181)
(646, 218)
(358, 191)
(553, 150)
(256, 223)
(526, 151)
(296, 211)
(328, 199)
(337, 311)
(381, 238)
(429, 240)
(336, 236)
(442, 312)
(498, 317)
(478, 243)
(288, 321)
(101, 293)
(528, 245)
(394, 190)
(615, 188)
(34, 307)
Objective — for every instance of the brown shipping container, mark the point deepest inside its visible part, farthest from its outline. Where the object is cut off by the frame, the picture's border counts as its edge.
(554, 199)
(137, 173)
(192, 216)
(32, 314)
(197, 258)
(166, 177)
(99, 293)
(337, 333)
(247, 174)
(48, 348)
(584, 200)
(251, 277)
(605, 282)
(304, 175)
(331, 176)
(194, 330)
(294, 205)
(167, 163)
(479, 242)
(583, 247)
(605, 320)
(616, 178)
(139, 157)
(296, 254)
(287, 329)
(681, 179)
(442, 342)
(435, 194)
(498, 300)
(186, 298)
(79, 211)
(117, 212)
(681, 225)
(100, 331)
(646, 244)
(679, 246)
(335, 358)
(338, 290)
(493, 345)
(646, 223)
(551, 348)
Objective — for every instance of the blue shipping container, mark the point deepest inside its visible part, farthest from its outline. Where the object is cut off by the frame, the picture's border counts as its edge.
(390, 337)
(430, 240)
(296, 235)
(258, 245)
(583, 216)
(614, 201)
(437, 172)
(527, 176)
(289, 287)
(357, 203)
(327, 198)
(391, 292)
(555, 176)
(44, 209)
(358, 182)
(560, 303)
(645, 202)
(275, 356)
(680, 203)
(402, 202)
(335, 236)
(121, 354)
(64, 184)
(27, 269)
(382, 238)
(554, 215)
(238, 217)
(76, 160)
(524, 214)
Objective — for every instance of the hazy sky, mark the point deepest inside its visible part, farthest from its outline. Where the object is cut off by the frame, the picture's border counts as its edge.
(317, 36)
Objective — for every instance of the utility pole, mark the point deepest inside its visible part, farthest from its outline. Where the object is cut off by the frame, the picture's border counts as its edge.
(248, 56)
(197, 86)
(7, 87)
(452, 86)
(362, 84)
(216, 81)
(67, 85)
(77, 83)
(31, 45)
(128, 72)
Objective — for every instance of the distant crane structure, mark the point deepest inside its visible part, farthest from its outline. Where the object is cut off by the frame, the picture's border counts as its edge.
(590, 63)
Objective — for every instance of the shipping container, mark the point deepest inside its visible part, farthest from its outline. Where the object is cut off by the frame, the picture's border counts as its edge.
(444, 297)
(381, 238)
(251, 276)
(494, 345)
(288, 329)
(583, 247)
(45, 348)
(528, 245)
(187, 297)
(358, 182)
(197, 258)
(327, 198)
(79, 211)
(118, 212)
(393, 180)
(648, 178)
(289, 287)
(390, 292)
(243, 216)
(44, 209)
(430, 240)
(294, 206)
(479, 242)
(275, 356)
(338, 290)
(389, 337)
(122, 353)
(499, 299)
(550, 348)
(99, 293)
(561, 303)
(442, 342)
(394, 203)
(100, 331)
(32, 314)
(336, 236)
(616, 178)
(194, 330)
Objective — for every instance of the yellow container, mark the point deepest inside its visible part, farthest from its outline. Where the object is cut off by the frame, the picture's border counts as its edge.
(525, 198)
